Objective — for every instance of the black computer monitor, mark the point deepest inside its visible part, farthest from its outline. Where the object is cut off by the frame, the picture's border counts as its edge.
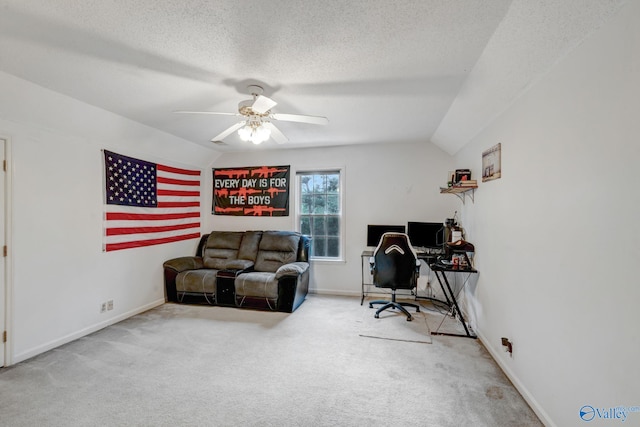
(375, 232)
(426, 234)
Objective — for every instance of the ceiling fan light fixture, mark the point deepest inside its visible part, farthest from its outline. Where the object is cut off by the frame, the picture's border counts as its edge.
(260, 135)
(263, 132)
(255, 132)
(245, 133)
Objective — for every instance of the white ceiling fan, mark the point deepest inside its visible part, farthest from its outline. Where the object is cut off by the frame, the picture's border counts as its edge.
(256, 125)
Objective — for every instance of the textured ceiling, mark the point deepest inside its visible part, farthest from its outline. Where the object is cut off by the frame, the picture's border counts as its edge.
(382, 71)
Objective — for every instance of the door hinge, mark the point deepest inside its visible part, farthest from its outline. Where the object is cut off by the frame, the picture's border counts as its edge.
(4, 165)
(4, 336)
(4, 250)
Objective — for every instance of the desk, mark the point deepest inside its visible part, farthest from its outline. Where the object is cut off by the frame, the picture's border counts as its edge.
(452, 302)
(439, 271)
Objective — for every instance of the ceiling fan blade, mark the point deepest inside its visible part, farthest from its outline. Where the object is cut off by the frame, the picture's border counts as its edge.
(262, 104)
(228, 131)
(315, 120)
(206, 112)
(275, 133)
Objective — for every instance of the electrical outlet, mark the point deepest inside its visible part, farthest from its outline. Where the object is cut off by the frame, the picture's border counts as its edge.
(110, 304)
(103, 307)
(508, 346)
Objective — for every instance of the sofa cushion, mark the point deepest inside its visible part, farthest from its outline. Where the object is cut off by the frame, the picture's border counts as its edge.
(197, 281)
(221, 246)
(236, 264)
(249, 245)
(276, 249)
(257, 284)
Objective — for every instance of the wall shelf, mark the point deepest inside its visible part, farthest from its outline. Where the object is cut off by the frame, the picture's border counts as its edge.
(460, 192)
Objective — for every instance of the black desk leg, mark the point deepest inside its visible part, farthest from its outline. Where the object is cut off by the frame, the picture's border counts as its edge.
(455, 305)
(444, 291)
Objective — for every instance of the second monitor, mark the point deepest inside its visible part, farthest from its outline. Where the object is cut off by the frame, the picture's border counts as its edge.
(426, 234)
(375, 232)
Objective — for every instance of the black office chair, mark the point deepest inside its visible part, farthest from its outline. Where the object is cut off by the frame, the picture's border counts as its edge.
(394, 265)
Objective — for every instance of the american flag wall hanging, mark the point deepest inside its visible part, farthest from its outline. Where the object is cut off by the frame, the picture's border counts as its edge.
(148, 203)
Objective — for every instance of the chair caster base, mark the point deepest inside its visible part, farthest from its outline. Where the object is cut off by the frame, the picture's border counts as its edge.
(394, 305)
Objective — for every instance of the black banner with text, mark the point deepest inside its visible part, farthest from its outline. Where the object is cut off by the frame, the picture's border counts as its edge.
(251, 191)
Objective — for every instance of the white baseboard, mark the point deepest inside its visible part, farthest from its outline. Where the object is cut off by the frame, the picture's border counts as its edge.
(83, 332)
(533, 403)
(342, 293)
(335, 292)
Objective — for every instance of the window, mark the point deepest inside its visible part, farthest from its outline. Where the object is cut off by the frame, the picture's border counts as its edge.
(320, 212)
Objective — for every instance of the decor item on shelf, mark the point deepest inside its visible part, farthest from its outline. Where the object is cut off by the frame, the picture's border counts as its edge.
(462, 175)
(469, 183)
(451, 177)
(491, 163)
(256, 126)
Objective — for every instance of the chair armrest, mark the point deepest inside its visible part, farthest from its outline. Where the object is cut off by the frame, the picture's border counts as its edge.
(184, 263)
(372, 263)
(292, 269)
(418, 264)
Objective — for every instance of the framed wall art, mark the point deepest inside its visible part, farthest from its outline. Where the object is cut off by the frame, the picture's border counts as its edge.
(491, 163)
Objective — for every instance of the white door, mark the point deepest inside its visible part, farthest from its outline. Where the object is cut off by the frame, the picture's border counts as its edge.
(3, 286)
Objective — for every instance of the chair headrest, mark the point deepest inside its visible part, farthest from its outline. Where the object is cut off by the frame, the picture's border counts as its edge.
(394, 248)
(395, 242)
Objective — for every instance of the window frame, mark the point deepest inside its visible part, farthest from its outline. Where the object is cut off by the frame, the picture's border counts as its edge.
(341, 212)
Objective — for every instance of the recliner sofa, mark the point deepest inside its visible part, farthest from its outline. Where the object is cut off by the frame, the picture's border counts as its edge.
(257, 269)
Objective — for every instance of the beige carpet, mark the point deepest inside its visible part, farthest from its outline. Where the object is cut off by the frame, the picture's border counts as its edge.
(393, 325)
(188, 365)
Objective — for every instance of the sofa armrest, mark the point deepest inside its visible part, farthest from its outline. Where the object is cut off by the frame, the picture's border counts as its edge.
(292, 269)
(293, 287)
(184, 263)
(175, 266)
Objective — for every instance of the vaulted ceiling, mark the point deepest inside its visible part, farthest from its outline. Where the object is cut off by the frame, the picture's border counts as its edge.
(381, 71)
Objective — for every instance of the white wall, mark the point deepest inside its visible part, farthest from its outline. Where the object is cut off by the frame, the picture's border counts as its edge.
(60, 274)
(385, 184)
(557, 236)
